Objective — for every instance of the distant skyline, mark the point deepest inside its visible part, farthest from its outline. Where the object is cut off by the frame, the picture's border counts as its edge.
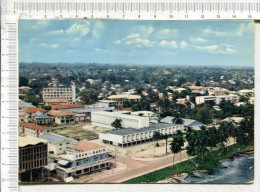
(192, 43)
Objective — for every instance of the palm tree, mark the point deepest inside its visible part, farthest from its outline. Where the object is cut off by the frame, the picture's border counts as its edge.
(165, 136)
(176, 144)
(157, 136)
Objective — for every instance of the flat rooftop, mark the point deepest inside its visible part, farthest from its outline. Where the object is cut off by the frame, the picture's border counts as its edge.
(30, 140)
(119, 115)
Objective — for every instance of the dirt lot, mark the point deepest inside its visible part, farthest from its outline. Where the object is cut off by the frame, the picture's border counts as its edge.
(80, 131)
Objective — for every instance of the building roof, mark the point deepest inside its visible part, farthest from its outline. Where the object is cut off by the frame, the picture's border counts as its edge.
(34, 110)
(124, 96)
(32, 126)
(39, 115)
(25, 105)
(85, 145)
(120, 115)
(30, 140)
(89, 110)
(67, 106)
(24, 88)
(56, 101)
(60, 113)
(55, 138)
(187, 122)
(128, 131)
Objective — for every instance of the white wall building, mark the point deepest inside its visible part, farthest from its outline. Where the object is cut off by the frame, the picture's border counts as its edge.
(128, 137)
(217, 99)
(104, 119)
(68, 93)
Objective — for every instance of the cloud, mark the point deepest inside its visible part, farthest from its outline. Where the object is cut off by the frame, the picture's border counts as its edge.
(209, 31)
(49, 45)
(144, 30)
(97, 28)
(243, 28)
(167, 32)
(164, 43)
(117, 42)
(81, 28)
(183, 44)
(217, 49)
(133, 35)
(56, 32)
(198, 40)
(40, 24)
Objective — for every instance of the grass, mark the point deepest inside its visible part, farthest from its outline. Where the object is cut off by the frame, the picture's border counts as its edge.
(209, 162)
(76, 132)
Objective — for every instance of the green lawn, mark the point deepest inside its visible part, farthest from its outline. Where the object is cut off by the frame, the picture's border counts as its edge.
(209, 162)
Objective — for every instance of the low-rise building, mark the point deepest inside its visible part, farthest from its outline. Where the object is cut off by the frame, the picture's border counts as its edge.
(32, 129)
(62, 117)
(58, 144)
(40, 118)
(182, 121)
(105, 119)
(66, 106)
(83, 158)
(128, 137)
(56, 101)
(28, 113)
(216, 99)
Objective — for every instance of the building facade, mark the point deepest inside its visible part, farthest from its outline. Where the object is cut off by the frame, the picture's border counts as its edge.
(33, 153)
(216, 99)
(32, 129)
(62, 117)
(67, 93)
(128, 137)
(83, 158)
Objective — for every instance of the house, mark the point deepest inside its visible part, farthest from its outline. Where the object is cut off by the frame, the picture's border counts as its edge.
(23, 90)
(216, 99)
(121, 98)
(28, 113)
(25, 105)
(40, 118)
(62, 117)
(32, 129)
(58, 144)
(83, 158)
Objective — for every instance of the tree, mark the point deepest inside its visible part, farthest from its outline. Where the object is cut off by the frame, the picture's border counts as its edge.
(23, 81)
(176, 144)
(89, 96)
(157, 136)
(117, 124)
(177, 121)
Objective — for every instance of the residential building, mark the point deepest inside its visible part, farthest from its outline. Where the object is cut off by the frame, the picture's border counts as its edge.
(66, 106)
(23, 90)
(105, 119)
(67, 93)
(33, 153)
(28, 113)
(185, 122)
(216, 99)
(83, 158)
(40, 118)
(25, 105)
(217, 91)
(58, 144)
(197, 89)
(62, 117)
(32, 129)
(130, 136)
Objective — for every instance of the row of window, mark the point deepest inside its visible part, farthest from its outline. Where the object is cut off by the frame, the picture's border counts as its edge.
(94, 152)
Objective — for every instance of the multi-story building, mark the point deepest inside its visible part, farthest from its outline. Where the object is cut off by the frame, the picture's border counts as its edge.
(33, 153)
(58, 144)
(105, 119)
(129, 136)
(67, 93)
(216, 99)
(83, 158)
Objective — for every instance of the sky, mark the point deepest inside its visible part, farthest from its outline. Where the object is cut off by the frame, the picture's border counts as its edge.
(191, 43)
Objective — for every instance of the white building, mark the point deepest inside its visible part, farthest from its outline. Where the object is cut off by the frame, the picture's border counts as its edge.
(128, 137)
(216, 99)
(68, 93)
(32, 129)
(104, 119)
(58, 144)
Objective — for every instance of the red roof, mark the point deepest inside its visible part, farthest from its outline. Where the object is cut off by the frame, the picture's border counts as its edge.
(33, 126)
(85, 145)
(60, 113)
(67, 106)
(34, 110)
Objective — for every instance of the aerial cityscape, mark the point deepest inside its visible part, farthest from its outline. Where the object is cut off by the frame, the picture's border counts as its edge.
(107, 101)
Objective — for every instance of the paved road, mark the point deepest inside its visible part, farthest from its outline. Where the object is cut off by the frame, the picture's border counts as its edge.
(134, 168)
